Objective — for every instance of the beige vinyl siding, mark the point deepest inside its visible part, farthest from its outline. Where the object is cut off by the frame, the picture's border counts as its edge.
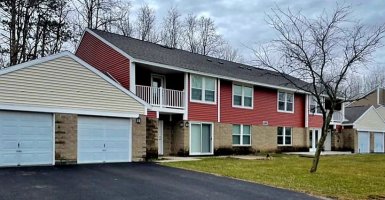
(370, 99)
(381, 111)
(370, 121)
(64, 83)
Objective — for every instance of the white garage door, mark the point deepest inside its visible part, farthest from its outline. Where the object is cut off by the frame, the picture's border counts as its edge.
(103, 139)
(363, 142)
(379, 142)
(26, 138)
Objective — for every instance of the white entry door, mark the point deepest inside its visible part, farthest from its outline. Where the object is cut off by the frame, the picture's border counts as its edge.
(104, 139)
(160, 137)
(26, 138)
(379, 142)
(314, 136)
(328, 141)
(363, 142)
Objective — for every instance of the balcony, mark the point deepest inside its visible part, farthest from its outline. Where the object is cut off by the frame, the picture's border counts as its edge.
(161, 97)
(338, 117)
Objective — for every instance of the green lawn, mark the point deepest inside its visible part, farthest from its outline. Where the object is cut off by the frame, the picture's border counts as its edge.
(342, 177)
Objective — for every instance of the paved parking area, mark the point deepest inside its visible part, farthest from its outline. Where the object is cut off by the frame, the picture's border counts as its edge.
(128, 181)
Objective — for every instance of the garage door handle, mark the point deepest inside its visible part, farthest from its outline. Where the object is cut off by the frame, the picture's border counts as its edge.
(18, 145)
(18, 150)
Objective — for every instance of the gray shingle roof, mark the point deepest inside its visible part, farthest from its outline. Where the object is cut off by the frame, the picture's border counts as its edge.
(354, 112)
(191, 61)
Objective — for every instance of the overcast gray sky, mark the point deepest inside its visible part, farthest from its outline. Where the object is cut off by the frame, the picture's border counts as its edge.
(242, 22)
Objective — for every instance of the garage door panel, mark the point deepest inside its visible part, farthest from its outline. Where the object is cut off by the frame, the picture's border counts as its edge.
(103, 139)
(26, 138)
(363, 142)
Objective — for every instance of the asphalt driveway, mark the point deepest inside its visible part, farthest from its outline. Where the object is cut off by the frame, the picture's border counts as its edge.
(128, 181)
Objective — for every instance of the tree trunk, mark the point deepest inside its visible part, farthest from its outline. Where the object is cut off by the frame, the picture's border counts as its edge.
(321, 142)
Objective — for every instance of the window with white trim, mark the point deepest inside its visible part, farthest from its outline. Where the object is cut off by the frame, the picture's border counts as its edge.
(202, 88)
(241, 135)
(315, 108)
(242, 96)
(285, 102)
(284, 136)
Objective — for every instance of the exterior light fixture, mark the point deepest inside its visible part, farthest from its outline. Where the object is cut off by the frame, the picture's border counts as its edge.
(138, 120)
(186, 124)
(181, 124)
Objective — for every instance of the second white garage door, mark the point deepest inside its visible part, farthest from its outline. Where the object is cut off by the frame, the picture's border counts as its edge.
(104, 139)
(363, 142)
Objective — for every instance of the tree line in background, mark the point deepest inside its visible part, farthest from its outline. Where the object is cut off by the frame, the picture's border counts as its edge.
(35, 28)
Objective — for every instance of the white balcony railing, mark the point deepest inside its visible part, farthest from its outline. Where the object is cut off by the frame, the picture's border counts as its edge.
(161, 97)
(338, 116)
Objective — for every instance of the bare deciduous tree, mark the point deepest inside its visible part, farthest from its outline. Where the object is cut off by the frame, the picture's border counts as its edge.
(172, 28)
(321, 51)
(190, 33)
(227, 52)
(146, 24)
(124, 25)
(209, 39)
(31, 29)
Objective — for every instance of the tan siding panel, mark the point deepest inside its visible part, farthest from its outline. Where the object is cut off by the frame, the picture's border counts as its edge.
(64, 83)
(370, 121)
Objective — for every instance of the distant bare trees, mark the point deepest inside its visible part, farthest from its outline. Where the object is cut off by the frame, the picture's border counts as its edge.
(31, 29)
(145, 24)
(172, 28)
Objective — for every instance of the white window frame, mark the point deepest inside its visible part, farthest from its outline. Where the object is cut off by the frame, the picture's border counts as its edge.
(212, 137)
(284, 136)
(243, 95)
(241, 136)
(204, 90)
(285, 102)
(311, 102)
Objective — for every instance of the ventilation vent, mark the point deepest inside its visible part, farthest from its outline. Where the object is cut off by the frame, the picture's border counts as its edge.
(242, 67)
(220, 62)
(209, 60)
(249, 68)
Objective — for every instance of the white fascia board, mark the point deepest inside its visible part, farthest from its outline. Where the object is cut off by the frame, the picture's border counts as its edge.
(33, 62)
(110, 44)
(33, 108)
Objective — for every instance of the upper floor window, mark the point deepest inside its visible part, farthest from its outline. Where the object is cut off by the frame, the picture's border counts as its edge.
(285, 102)
(241, 135)
(242, 96)
(315, 108)
(284, 135)
(202, 89)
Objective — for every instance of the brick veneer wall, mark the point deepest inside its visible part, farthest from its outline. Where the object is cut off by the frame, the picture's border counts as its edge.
(139, 139)
(180, 139)
(347, 139)
(66, 129)
(151, 138)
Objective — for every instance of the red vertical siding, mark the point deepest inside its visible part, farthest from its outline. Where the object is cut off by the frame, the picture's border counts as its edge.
(151, 114)
(265, 108)
(315, 121)
(104, 58)
(201, 111)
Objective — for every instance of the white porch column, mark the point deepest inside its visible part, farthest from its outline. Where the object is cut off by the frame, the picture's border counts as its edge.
(186, 91)
(307, 111)
(132, 77)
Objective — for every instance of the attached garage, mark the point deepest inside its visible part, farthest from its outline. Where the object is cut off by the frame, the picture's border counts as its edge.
(102, 139)
(59, 109)
(363, 142)
(367, 127)
(26, 138)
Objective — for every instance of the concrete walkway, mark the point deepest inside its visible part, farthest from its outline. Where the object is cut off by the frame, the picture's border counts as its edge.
(164, 159)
